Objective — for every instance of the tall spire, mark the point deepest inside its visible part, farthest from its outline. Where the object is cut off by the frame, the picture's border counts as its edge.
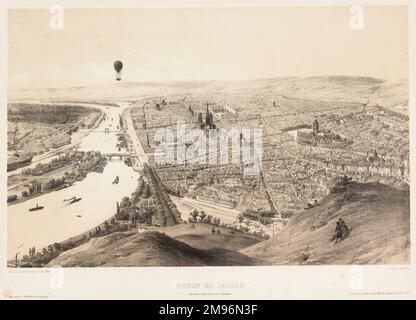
(207, 117)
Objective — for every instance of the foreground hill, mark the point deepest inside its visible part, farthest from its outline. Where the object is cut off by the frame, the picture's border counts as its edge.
(153, 248)
(379, 219)
(199, 236)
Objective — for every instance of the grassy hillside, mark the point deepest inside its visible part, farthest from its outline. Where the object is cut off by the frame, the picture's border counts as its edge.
(379, 219)
(146, 249)
(199, 236)
(180, 245)
(377, 215)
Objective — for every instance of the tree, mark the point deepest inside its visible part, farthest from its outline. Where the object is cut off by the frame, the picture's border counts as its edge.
(202, 216)
(194, 214)
(315, 126)
(209, 219)
(107, 226)
(240, 217)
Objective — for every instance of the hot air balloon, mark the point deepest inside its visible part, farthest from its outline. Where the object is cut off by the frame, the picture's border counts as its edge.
(118, 66)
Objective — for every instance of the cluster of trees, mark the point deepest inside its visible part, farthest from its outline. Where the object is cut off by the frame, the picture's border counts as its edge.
(84, 160)
(264, 217)
(169, 213)
(109, 226)
(246, 229)
(120, 121)
(122, 142)
(33, 188)
(142, 191)
(213, 231)
(149, 203)
(89, 160)
(201, 216)
(41, 258)
(56, 163)
(90, 123)
(53, 184)
(12, 198)
(127, 209)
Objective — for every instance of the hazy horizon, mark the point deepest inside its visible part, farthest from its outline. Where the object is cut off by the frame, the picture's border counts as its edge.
(205, 44)
(173, 81)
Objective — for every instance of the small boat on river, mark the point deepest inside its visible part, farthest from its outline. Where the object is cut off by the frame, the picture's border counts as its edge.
(38, 207)
(75, 200)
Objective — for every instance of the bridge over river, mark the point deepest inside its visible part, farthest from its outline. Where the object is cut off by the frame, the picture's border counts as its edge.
(121, 155)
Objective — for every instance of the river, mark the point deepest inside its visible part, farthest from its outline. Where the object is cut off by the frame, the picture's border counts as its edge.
(59, 221)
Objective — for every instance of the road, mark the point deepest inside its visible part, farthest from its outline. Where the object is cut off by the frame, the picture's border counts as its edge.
(137, 146)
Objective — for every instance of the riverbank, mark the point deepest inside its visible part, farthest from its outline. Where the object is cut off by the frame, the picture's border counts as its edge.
(52, 251)
(59, 220)
(33, 186)
(75, 140)
(146, 206)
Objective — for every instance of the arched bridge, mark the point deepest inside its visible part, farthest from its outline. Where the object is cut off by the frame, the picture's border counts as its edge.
(121, 155)
(106, 130)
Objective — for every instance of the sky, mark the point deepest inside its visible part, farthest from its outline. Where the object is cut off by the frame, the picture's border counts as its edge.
(203, 44)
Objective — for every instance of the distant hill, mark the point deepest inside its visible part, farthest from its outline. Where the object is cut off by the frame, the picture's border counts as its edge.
(389, 94)
(393, 95)
(150, 248)
(379, 218)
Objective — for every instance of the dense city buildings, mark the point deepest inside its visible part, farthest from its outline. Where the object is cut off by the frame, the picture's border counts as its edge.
(307, 142)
